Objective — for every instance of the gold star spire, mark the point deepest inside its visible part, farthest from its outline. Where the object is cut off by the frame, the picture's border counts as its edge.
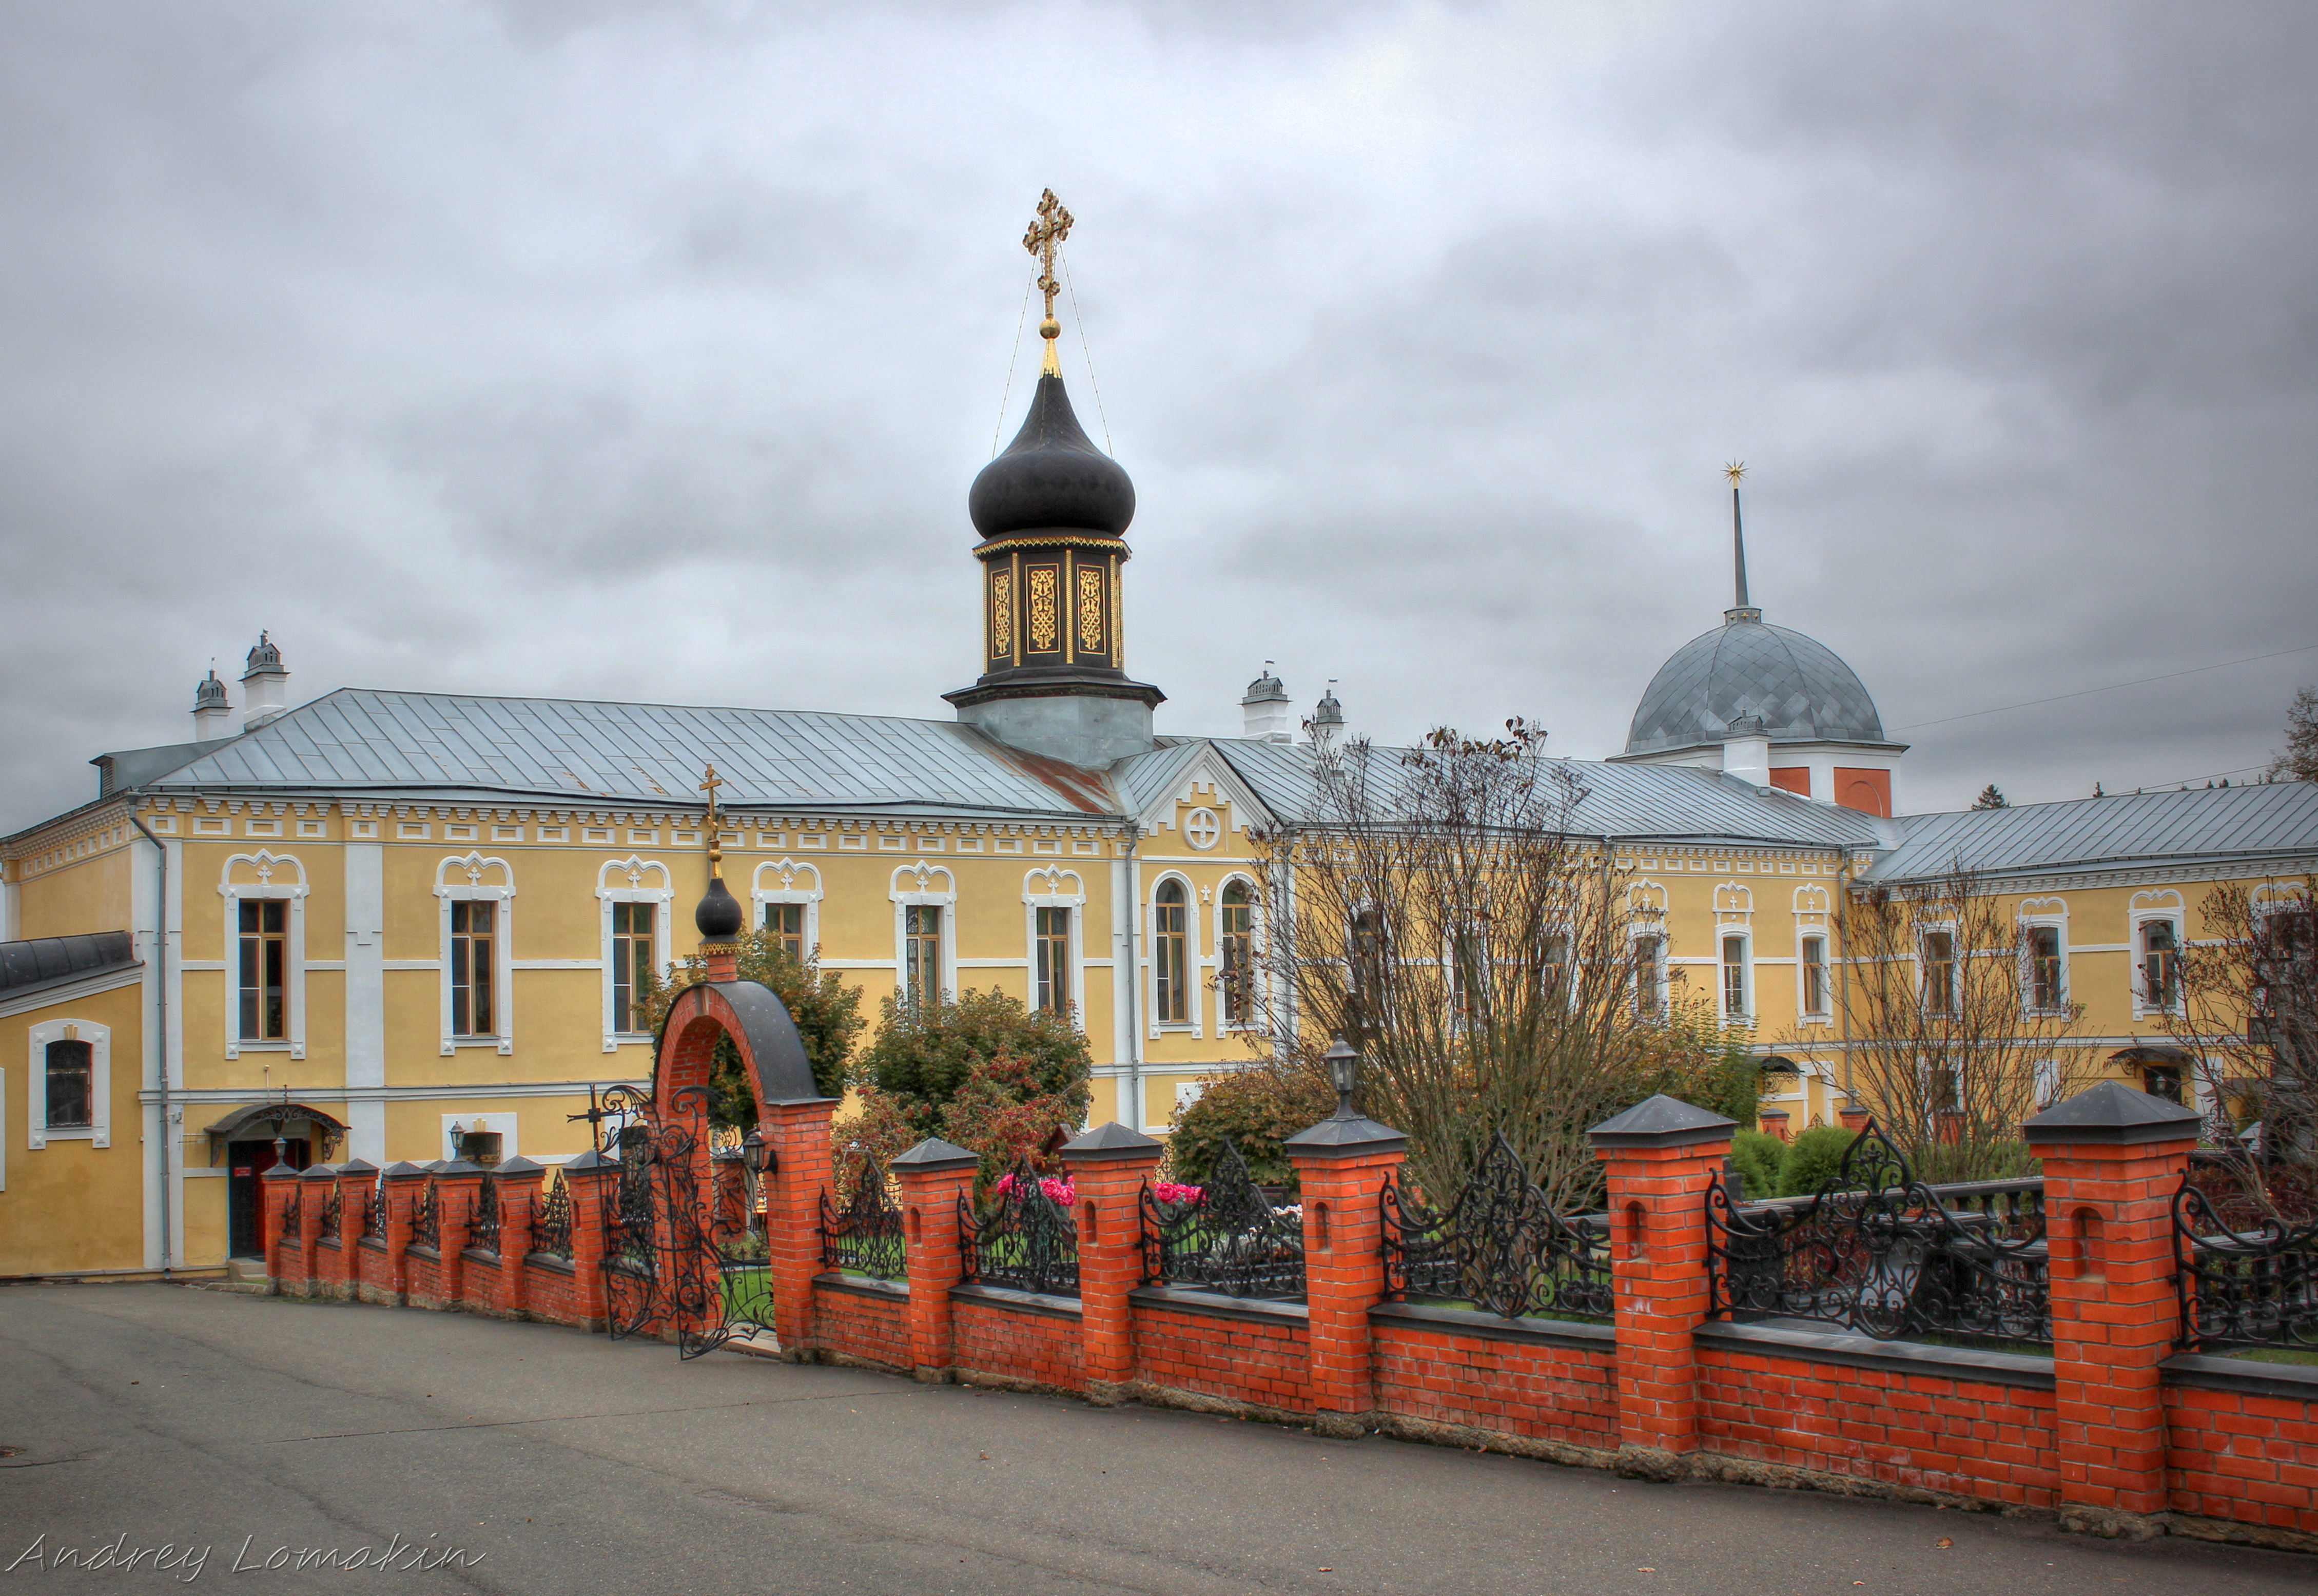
(1051, 227)
(1735, 471)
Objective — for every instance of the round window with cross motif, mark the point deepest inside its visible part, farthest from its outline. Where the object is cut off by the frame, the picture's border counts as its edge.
(1201, 830)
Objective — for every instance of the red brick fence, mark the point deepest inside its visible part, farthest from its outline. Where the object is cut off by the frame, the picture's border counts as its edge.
(2115, 1431)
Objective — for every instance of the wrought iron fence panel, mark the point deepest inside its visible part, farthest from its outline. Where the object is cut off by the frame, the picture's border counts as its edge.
(1500, 1246)
(294, 1217)
(426, 1222)
(1228, 1239)
(552, 1234)
(374, 1217)
(665, 1269)
(484, 1219)
(1877, 1251)
(2243, 1288)
(327, 1227)
(1026, 1241)
(866, 1235)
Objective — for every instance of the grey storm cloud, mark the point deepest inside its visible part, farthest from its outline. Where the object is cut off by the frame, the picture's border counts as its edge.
(646, 351)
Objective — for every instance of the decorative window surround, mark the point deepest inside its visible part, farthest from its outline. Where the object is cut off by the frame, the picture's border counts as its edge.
(924, 885)
(472, 878)
(2043, 914)
(786, 880)
(1194, 1002)
(1053, 887)
(631, 880)
(1253, 1020)
(253, 875)
(98, 1131)
(2147, 907)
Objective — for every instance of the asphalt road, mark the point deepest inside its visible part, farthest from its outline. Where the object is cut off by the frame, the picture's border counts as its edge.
(228, 1426)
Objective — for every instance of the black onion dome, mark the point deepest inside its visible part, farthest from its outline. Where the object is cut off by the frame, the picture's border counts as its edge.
(719, 915)
(1051, 476)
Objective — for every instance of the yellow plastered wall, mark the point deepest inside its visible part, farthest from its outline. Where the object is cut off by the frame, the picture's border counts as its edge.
(71, 1204)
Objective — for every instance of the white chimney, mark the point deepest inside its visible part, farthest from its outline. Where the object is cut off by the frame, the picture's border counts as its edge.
(265, 686)
(1746, 750)
(1328, 719)
(1264, 709)
(211, 712)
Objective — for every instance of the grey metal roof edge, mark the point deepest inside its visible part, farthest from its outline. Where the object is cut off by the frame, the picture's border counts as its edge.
(2100, 862)
(120, 795)
(15, 999)
(472, 796)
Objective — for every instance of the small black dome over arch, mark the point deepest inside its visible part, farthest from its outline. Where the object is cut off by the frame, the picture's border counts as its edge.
(1051, 476)
(719, 915)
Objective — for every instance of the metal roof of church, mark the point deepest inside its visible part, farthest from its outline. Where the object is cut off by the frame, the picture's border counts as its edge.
(2275, 820)
(576, 752)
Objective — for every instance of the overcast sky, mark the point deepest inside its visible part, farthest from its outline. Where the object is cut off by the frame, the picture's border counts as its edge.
(646, 352)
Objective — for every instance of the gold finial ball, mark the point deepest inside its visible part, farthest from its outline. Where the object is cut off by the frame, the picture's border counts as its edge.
(1050, 329)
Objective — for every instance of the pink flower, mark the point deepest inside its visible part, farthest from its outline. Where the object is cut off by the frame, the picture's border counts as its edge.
(1175, 1192)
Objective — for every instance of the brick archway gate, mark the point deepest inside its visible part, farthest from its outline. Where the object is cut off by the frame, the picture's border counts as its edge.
(666, 1274)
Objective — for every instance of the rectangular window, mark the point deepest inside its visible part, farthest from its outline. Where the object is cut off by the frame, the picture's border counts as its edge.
(1647, 957)
(264, 965)
(785, 921)
(72, 1096)
(1237, 931)
(1171, 957)
(472, 925)
(921, 934)
(1054, 949)
(1734, 978)
(1554, 968)
(2160, 963)
(633, 927)
(1939, 972)
(1815, 993)
(2045, 989)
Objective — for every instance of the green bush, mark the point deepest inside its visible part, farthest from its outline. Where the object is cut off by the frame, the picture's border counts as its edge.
(827, 1012)
(1258, 1108)
(1811, 1158)
(926, 1053)
(1759, 1157)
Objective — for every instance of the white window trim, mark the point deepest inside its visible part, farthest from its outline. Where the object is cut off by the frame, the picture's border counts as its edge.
(265, 862)
(474, 867)
(2038, 914)
(2146, 908)
(914, 887)
(789, 872)
(634, 872)
(1637, 931)
(1055, 888)
(1194, 1000)
(1745, 938)
(1254, 1021)
(98, 1133)
(1925, 928)
(1805, 934)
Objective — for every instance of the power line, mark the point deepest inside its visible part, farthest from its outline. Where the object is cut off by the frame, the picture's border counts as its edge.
(2111, 687)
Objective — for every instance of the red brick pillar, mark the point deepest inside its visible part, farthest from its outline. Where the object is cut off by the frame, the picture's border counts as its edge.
(1342, 1164)
(934, 1174)
(1109, 1167)
(405, 1185)
(315, 1184)
(592, 1181)
(1661, 1156)
(278, 1188)
(520, 1183)
(798, 1134)
(458, 1187)
(2112, 1159)
(357, 1187)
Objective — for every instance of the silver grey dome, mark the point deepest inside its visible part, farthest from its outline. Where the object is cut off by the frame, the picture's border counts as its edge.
(1797, 687)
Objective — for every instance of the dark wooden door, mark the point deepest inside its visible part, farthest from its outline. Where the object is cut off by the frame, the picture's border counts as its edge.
(244, 1198)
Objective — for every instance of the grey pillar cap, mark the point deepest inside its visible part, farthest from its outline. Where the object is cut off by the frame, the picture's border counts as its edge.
(1106, 1141)
(404, 1170)
(1354, 1135)
(934, 1155)
(357, 1166)
(519, 1165)
(1662, 1122)
(281, 1172)
(457, 1166)
(2113, 1114)
(316, 1172)
(591, 1159)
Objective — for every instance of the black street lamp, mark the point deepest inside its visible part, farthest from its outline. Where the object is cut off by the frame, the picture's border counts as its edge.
(1343, 1062)
(757, 1153)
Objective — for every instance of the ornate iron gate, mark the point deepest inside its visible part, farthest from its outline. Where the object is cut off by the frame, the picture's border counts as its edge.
(666, 1269)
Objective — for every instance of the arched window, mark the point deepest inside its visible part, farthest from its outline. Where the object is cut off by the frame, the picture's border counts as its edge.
(1170, 956)
(71, 1082)
(1236, 933)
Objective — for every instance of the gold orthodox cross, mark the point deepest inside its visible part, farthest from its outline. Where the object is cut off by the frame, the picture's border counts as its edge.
(1053, 226)
(716, 825)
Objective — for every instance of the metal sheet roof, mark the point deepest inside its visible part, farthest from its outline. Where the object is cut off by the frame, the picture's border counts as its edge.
(577, 752)
(2279, 820)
